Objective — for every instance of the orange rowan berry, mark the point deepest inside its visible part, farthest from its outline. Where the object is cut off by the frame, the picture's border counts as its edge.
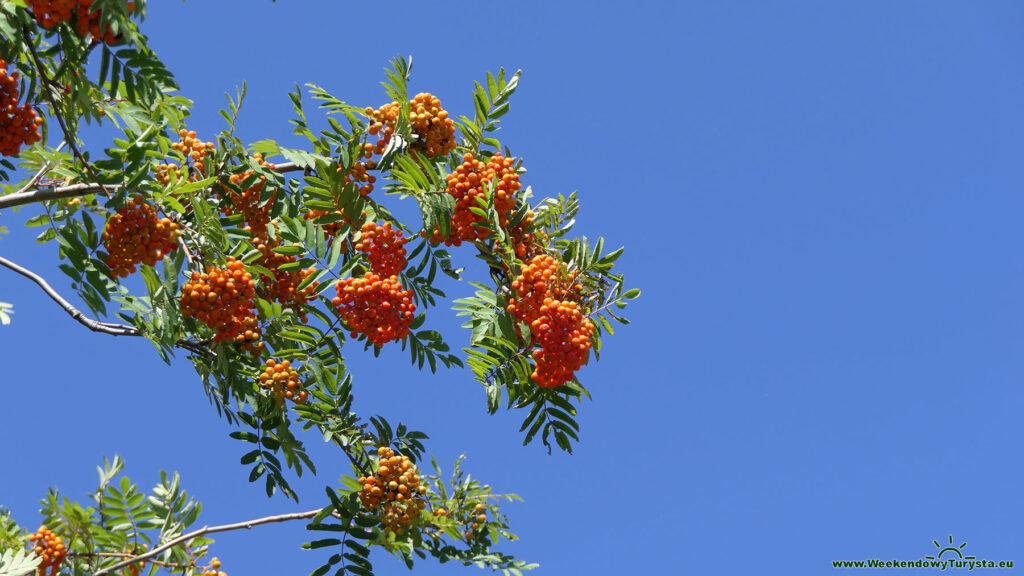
(434, 130)
(221, 298)
(214, 568)
(563, 335)
(357, 175)
(283, 381)
(250, 339)
(467, 184)
(537, 279)
(384, 246)
(248, 203)
(396, 497)
(375, 307)
(525, 239)
(49, 13)
(196, 153)
(50, 549)
(19, 125)
(88, 22)
(137, 235)
(283, 286)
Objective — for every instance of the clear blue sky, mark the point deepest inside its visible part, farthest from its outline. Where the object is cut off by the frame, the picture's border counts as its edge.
(821, 201)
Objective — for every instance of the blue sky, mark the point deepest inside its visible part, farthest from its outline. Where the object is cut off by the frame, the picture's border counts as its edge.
(820, 201)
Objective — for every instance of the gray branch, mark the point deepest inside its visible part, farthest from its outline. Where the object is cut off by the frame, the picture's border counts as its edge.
(76, 190)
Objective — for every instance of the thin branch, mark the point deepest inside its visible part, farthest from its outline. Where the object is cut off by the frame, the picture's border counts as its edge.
(208, 530)
(23, 196)
(94, 325)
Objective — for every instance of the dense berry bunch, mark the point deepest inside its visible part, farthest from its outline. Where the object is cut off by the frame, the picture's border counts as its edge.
(331, 229)
(195, 152)
(136, 234)
(49, 13)
(283, 382)
(221, 298)
(534, 283)
(473, 519)
(434, 130)
(283, 287)
(384, 247)
(466, 185)
(50, 549)
(88, 22)
(563, 335)
(358, 175)
(248, 202)
(524, 238)
(395, 488)
(18, 124)
(214, 568)
(376, 307)
(250, 340)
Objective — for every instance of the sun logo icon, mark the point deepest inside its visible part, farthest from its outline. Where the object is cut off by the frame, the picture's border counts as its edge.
(956, 550)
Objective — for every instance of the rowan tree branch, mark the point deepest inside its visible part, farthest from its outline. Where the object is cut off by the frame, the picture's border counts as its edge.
(23, 197)
(94, 325)
(207, 530)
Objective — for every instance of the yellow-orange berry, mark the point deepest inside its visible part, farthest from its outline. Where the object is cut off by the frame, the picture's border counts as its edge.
(249, 201)
(384, 247)
(19, 125)
(137, 235)
(221, 298)
(434, 130)
(50, 549)
(376, 307)
(467, 185)
(283, 381)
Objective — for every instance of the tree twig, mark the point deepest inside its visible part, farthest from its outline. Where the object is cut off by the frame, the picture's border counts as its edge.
(207, 530)
(94, 325)
(23, 196)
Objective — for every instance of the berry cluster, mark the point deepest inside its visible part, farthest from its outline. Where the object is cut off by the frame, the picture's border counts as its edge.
(283, 287)
(331, 229)
(536, 280)
(474, 520)
(18, 124)
(396, 486)
(247, 203)
(50, 13)
(136, 234)
(357, 173)
(545, 299)
(195, 150)
(524, 238)
(563, 335)
(50, 548)
(214, 568)
(250, 340)
(466, 185)
(221, 298)
(384, 247)
(434, 130)
(376, 307)
(283, 382)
